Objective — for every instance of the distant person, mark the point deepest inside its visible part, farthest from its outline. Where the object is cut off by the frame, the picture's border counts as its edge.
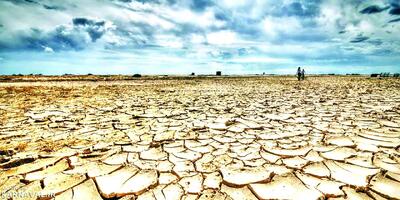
(303, 74)
(298, 74)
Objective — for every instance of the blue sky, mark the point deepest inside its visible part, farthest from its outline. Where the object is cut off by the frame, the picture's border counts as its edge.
(201, 36)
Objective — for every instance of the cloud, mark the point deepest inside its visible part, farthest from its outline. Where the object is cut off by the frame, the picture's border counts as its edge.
(395, 11)
(242, 34)
(74, 36)
(96, 29)
(221, 37)
(200, 5)
(394, 3)
(48, 49)
(306, 9)
(37, 3)
(359, 39)
(373, 9)
(49, 7)
(279, 28)
(394, 20)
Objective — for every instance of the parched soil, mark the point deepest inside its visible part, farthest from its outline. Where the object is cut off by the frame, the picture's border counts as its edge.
(200, 138)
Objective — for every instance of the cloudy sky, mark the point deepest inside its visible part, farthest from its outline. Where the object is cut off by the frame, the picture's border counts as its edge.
(201, 36)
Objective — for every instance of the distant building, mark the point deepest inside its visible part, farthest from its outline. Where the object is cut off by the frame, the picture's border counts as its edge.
(375, 75)
(219, 73)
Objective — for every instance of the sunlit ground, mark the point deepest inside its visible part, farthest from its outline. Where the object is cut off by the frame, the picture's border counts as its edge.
(207, 138)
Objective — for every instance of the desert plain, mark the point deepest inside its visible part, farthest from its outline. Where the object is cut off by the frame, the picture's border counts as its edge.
(261, 137)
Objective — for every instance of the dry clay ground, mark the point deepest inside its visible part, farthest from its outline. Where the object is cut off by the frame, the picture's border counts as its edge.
(205, 138)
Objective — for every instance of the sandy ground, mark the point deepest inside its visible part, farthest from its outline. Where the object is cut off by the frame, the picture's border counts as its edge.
(208, 138)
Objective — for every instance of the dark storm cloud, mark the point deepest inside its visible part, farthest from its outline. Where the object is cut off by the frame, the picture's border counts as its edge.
(200, 5)
(373, 9)
(64, 37)
(23, 2)
(50, 7)
(37, 3)
(359, 39)
(394, 3)
(394, 20)
(93, 27)
(61, 38)
(81, 21)
(395, 11)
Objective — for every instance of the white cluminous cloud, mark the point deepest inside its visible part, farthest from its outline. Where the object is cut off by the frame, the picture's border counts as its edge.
(222, 38)
(47, 49)
(182, 36)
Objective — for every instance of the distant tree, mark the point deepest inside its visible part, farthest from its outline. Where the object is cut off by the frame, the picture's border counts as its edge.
(137, 75)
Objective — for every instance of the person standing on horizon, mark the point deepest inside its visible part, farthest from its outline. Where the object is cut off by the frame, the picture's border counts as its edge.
(303, 74)
(298, 73)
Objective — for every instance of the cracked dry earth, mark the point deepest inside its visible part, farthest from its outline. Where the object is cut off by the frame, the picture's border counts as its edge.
(213, 138)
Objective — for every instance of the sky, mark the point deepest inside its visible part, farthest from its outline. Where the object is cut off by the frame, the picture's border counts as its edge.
(200, 36)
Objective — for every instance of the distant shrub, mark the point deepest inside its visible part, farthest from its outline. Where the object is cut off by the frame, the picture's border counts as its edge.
(137, 75)
(386, 74)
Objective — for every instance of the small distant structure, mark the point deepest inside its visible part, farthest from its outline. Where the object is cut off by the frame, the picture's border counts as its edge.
(192, 74)
(375, 75)
(218, 73)
(137, 76)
